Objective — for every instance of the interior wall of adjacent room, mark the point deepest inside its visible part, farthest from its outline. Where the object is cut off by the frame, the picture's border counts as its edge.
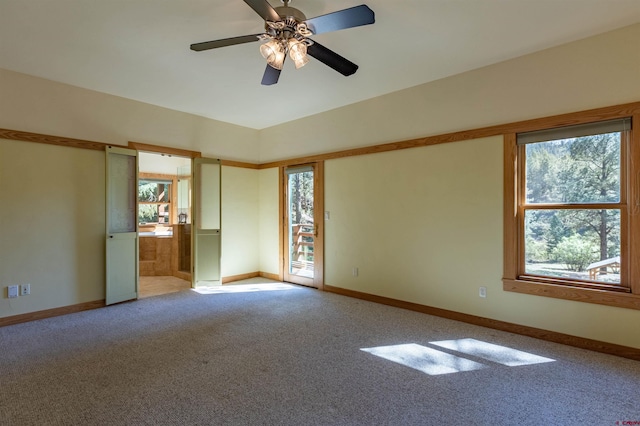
(37, 105)
(424, 225)
(591, 73)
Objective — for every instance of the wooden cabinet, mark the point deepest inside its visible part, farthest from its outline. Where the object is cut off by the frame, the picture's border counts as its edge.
(155, 255)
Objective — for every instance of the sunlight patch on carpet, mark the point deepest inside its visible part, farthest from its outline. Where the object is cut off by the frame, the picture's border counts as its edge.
(244, 288)
(428, 360)
(491, 352)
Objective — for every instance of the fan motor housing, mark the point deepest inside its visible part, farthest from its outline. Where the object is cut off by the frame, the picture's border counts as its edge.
(290, 12)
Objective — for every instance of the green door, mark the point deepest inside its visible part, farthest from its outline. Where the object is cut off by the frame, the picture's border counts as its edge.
(206, 222)
(121, 225)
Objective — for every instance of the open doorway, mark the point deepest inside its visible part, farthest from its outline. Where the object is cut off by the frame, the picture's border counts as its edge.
(164, 223)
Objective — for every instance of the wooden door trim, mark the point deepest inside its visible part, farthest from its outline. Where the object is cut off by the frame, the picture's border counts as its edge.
(282, 212)
(318, 207)
(164, 150)
(318, 199)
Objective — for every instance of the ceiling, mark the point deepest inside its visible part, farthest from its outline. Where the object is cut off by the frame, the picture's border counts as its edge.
(139, 49)
(151, 162)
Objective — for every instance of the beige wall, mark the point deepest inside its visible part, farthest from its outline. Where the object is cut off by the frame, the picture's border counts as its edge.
(240, 221)
(268, 226)
(36, 105)
(53, 220)
(425, 225)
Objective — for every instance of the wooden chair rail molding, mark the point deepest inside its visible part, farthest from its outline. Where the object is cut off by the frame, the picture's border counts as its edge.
(18, 135)
(605, 113)
(186, 153)
(551, 336)
(598, 114)
(138, 146)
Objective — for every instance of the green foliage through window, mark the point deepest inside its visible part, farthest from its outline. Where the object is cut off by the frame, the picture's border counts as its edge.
(577, 173)
(154, 198)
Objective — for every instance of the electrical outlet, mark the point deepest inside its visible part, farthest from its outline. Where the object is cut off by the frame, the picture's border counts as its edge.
(482, 292)
(354, 271)
(25, 289)
(12, 291)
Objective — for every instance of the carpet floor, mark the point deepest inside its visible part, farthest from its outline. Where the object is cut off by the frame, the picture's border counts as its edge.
(276, 354)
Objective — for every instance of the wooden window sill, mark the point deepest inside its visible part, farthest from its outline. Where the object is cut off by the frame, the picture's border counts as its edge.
(587, 295)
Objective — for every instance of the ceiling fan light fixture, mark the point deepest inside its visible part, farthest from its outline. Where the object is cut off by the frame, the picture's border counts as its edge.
(277, 61)
(287, 30)
(274, 53)
(298, 52)
(269, 49)
(299, 63)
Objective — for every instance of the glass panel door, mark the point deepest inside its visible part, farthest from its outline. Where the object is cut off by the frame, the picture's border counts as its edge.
(303, 242)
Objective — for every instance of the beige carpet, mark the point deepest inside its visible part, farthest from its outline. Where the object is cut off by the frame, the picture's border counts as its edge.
(277, 354)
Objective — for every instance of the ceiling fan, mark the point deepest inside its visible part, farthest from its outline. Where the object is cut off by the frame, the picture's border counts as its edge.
(287, 30)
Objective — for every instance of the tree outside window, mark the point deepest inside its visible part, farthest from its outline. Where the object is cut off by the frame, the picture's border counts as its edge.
(572, 209)
(575, 173)
(154, 201)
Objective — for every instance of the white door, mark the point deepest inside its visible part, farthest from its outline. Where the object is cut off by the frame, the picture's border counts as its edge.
(206, 222)
(122, 225)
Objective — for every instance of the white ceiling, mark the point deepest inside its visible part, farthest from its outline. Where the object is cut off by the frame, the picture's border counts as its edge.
(151, 162)
(139, 49)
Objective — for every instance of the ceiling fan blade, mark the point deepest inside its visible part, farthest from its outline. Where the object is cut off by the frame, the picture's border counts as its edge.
(332, 59)
(342, 19)
(271, 76)
(225, 42)
(264, 9)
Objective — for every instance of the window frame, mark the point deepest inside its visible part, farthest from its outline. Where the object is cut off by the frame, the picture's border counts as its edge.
(625, 295)
(172, 206)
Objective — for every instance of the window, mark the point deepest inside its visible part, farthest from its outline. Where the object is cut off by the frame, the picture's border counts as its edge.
(154, 201)
(569, 219)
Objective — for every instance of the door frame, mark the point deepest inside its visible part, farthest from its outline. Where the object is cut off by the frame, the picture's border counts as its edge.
(165, 150)
(318, 219)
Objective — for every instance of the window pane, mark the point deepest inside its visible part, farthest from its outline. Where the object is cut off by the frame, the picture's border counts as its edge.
(153, 213)
(573, 244)
(153, 191)
(577, 170)
(301, 225)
